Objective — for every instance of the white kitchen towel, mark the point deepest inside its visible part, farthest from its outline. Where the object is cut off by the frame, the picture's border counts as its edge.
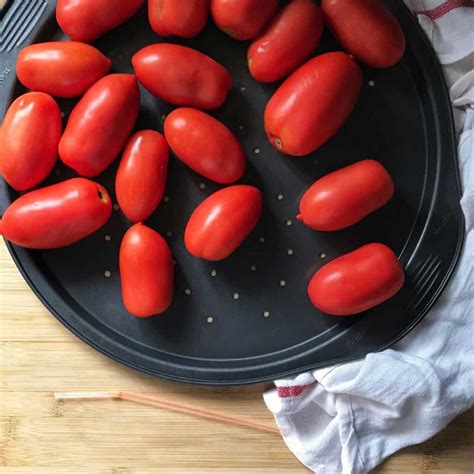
(348, 418)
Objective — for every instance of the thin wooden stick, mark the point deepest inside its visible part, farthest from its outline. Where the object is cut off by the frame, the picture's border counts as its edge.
(85, 395)
(172, 406)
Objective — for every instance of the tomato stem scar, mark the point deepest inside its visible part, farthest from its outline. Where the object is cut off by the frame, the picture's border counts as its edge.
(230, 32)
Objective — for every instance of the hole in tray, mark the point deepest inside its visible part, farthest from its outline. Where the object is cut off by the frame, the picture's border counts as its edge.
(322, 255)
(371, 83)
(280, 197)
(187, 291)
(213, 273)
(243, 88)
(210, 319)
(166, 199)
(236, 296)
(202, 186)
(108, 238)
(256, 151)
(282, 283)
(290, 252)
(266, 314)
(289, 222)
(107, 274)
(253, 268)
(116, 207)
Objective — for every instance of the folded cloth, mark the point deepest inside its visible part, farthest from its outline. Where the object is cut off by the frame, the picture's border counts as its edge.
(348, 418)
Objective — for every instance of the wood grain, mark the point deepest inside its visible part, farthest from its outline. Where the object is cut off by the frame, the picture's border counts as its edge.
(40, 435)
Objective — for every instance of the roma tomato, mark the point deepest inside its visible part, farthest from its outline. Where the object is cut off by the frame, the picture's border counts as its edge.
(100, 124)
(206, 145)
(313, 103)
(141, 176)
(222, 222)
(366, 29)
(185, 18)
(87, 20)
(357, 281)
(61, 68)
(287, 42)
(243, 19)
(182, 76)
(146, 272)
(346, 196)
(57, 215)
(29, 139)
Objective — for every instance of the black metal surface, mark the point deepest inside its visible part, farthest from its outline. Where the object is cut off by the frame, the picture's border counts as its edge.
(403, 119)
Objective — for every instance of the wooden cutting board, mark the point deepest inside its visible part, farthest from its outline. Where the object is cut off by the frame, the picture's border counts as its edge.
(41, 436)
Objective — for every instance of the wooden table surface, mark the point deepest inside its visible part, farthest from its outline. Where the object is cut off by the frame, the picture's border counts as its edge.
(41, 436)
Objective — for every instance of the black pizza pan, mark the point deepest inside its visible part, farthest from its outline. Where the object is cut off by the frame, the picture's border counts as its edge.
(248, 319)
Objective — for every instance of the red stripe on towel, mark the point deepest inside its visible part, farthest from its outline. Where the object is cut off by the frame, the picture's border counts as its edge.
(294, 391)
(444, 8)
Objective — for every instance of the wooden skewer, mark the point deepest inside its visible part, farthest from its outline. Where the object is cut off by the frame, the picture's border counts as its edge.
(172, 406)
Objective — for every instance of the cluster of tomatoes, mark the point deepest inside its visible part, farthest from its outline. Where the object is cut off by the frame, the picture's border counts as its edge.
(305, 111)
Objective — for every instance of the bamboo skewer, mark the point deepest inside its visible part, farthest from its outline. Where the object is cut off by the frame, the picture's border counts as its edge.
(172, 406)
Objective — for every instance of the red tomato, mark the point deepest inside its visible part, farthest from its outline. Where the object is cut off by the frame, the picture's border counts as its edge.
(313, 103)
(222, 222)
(366, 29)
(186, 18)
(346, 196)
(182, 76)
(243, 19)
(61, 68)
(357, 281)
(287, 42)
(87, 20)
(57, 215)
(141, 176)
(206, 145)
(100, 124)
(146, 272)
(29, 140)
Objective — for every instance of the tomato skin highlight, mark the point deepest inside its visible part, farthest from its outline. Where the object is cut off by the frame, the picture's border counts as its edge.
(367, 30)
(146, 272)
(141, 177)
(220, 224)
(88, 20)
(288, 41)
(344, 197)
(356, 281)
(57, 215)
(243, 19)
(182, 76)
(185, 18)
(204, 144)
(100, 124)
(29, 139)
(313, 103)
(61, 68)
